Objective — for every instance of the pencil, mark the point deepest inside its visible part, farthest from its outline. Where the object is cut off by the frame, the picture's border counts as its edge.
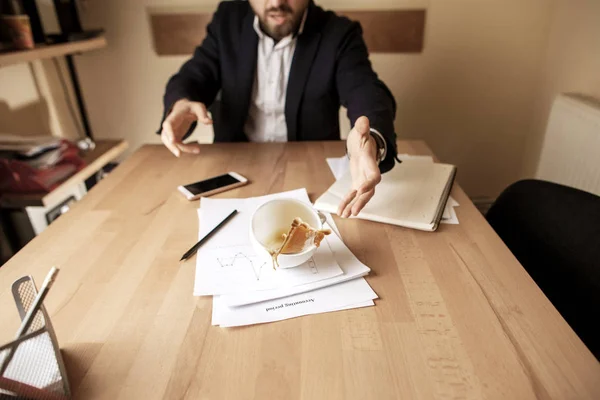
(195, 247)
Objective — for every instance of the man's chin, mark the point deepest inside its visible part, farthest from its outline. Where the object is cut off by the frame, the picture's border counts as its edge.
(278, 32)
(277, 27)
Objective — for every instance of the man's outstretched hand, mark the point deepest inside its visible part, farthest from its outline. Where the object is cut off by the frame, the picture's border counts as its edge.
(178, 122)
(362, 151)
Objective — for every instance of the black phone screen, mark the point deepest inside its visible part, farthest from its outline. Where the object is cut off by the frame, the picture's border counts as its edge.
(211, 184)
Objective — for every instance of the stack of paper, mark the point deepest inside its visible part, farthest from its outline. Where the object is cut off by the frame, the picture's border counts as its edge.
(28, 146)
(340, 166)
(247, 290)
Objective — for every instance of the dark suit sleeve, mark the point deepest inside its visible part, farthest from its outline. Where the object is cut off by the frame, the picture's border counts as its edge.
(199, 79)
(362, 93)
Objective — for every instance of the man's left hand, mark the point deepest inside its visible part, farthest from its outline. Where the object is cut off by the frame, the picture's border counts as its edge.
(362, 150)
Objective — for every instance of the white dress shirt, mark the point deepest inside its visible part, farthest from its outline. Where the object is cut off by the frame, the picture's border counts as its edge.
(266, 114)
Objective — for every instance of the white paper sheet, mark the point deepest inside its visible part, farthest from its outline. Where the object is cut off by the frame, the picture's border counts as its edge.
(339, 166)
(415, 158)
(226, 263)
(449, 216)
(238, 269)
(351, 266)
(216, 314)
(235, 232)
(354, 293)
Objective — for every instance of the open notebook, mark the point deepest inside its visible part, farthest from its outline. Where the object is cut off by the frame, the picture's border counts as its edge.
(413, 194)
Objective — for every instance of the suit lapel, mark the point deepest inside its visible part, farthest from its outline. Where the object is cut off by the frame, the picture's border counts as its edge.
(306, 49)
(246, 70)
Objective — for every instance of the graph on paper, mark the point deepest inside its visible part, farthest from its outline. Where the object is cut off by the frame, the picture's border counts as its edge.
(255, 264)
(243, 260)
(227, 263)
(238, 269)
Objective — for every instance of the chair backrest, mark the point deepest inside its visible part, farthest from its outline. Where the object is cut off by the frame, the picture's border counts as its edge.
(553, 231)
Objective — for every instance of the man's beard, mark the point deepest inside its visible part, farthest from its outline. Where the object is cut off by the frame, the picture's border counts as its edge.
(278, 32)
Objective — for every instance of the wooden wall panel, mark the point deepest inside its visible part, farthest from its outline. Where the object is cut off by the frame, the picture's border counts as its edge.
(385, 31)
(178, 34)
(391, 31)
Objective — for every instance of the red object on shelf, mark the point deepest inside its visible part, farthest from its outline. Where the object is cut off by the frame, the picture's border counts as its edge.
(17, 176)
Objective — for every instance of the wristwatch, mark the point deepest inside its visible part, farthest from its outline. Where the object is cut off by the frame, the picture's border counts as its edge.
(379, 142)
(381, 145)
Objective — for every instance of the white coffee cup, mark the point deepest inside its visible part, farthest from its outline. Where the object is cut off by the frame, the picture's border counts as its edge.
(273, 219)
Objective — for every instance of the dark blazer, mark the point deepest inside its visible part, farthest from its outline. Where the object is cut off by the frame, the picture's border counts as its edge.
(330, 68)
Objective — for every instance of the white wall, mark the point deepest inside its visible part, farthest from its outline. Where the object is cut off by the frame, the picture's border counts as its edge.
(571, 64)
(20, 109)
(35, 100)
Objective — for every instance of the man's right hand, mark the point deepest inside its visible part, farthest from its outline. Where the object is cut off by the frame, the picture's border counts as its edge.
(178, 122)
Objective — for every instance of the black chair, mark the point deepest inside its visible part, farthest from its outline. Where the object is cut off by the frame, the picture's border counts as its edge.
(554, 232)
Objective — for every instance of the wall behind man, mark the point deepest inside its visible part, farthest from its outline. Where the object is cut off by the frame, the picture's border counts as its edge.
(571, 64)
(470, 94)
(21, 109)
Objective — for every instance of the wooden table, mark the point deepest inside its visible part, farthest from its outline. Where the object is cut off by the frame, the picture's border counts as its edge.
(458, 316)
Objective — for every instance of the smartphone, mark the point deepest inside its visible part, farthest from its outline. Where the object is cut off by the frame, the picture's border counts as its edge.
(212, 185)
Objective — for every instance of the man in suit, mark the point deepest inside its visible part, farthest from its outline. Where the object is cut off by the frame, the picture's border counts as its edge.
(283, 68)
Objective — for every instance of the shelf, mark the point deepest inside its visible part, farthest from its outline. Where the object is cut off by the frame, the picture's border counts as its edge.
(51, 50)
(105, 152)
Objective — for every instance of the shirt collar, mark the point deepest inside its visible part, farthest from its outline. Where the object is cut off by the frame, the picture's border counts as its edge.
(261, 34)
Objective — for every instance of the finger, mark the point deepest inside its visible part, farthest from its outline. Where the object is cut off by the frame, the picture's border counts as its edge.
(167, 129)
(358, 194)
(359, 135)
(199, 110)
(170, 145)
(362, 126)
(362, 201)
(193, 148)
(347, 199)
(348, 209)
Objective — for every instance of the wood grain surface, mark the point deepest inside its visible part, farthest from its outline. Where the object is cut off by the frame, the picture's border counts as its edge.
(458, 317)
